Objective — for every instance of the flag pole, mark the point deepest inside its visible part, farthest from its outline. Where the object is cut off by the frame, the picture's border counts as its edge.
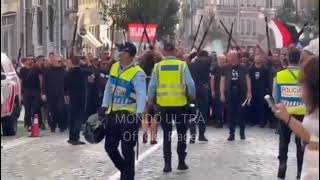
(205, 34)
(196, 36)
(267, 33)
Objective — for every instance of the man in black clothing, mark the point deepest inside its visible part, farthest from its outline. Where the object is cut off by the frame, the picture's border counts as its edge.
(75, 92)
(200, 71)
(31, 79)
(54, 89)
(259, 79)
(218, 115)
(235, 90)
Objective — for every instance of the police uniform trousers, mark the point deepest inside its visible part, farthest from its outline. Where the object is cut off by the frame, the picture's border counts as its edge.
(121, 126)
(202, 103)
(180, 115)
(285, 136)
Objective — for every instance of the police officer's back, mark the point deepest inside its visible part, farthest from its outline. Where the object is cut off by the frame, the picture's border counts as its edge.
(171, 87)
(288, 92)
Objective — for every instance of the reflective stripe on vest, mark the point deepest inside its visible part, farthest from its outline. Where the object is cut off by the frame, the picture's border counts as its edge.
(171, 86)
(124, 98)
(290, 92)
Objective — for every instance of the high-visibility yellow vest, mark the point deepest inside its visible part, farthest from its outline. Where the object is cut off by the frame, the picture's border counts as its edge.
(289, 92)
(124, 98)
(171, 85)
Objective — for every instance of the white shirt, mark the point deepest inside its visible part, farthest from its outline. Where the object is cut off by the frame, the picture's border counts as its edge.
(310, 170)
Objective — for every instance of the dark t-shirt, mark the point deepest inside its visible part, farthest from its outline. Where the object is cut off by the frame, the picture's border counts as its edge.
(216, 72)
(259, 80)
(30, 78)
(235, 80)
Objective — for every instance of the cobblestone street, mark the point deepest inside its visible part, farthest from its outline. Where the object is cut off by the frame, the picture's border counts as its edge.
(51, 158)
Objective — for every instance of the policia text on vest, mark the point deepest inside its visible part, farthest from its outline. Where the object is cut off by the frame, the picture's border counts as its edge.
(288, 92)
(125, 97)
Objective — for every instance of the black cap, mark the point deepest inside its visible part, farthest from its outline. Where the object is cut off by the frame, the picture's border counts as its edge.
(129, 48)
(169, 47)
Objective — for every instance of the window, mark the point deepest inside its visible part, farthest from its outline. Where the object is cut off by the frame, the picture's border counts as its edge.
(254, 28)
(248, 3)
(254, 3)
(51, 22)
(40, 26)
(242, 3)
(8, 34)
(248, 27)
(242, 27)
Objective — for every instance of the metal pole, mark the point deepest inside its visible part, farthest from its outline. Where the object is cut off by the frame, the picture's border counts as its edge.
(267, 33)
(230, 37)
(196, 36)
(205, 34)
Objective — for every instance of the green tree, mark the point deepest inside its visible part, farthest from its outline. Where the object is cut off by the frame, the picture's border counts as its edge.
(162, 12)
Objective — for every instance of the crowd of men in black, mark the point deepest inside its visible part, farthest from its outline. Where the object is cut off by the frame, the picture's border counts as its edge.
(48, 85)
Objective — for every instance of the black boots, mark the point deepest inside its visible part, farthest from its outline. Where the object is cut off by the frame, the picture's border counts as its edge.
(231, 137)
(203, 138)
(282, 170)
(182, 166)
(167, 166)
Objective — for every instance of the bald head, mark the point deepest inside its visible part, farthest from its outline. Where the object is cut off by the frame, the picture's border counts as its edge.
(57, 60)
(233, 57)
(222, 60)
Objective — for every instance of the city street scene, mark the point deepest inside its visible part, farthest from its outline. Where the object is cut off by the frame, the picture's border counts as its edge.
(160, 89)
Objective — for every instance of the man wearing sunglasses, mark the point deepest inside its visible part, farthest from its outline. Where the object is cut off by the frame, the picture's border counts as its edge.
(31, 79)
(54, 90)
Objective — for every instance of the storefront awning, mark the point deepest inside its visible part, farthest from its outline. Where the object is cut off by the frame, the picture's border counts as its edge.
(86, 35)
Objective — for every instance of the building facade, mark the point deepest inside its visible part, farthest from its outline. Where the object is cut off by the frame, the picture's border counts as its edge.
(99, 30)
(248, 18)
(37, 27)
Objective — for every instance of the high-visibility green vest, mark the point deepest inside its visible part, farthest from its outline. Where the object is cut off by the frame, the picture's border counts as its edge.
(289, 91)
(171, 85)
(124, 98)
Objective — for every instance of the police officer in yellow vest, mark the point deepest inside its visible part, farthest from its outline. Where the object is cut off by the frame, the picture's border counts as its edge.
(124, 102)
(288, 92)
(171, 88)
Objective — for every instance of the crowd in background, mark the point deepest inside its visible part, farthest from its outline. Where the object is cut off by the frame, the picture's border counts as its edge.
(44, 83)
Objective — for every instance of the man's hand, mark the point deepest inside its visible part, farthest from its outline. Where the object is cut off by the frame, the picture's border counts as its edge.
(282, 113)
(44, 97)
(213, 94)
(102, 111)
(67, 99)
(223, 98)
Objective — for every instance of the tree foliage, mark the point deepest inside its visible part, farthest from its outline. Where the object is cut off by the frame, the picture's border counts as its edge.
(162, 12)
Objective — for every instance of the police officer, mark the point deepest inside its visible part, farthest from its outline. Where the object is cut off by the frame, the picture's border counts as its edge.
(171, 86)
(235, 91)
(200, 71)
(124, 100)
(288, 92)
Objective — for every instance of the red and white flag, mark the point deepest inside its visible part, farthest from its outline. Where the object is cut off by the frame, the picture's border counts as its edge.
(284, 34)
